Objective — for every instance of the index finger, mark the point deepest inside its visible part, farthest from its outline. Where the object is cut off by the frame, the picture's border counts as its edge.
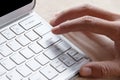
(89, 24)
(82, 11)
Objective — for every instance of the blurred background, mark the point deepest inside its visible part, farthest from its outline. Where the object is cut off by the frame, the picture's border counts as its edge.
(47, 8)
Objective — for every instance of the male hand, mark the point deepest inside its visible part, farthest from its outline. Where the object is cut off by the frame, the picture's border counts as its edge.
(91, 19)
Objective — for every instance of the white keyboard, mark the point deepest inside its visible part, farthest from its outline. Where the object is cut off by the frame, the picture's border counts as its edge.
(29, 51)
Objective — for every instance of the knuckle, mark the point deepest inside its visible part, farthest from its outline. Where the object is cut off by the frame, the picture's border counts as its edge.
(62, 27)
(105, 71)
(87, 19)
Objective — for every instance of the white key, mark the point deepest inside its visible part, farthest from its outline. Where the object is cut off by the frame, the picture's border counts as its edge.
(58, 65)
(42, 29)
(32, 35)
(23, 40)
(53, 51)
(5, 50)
(67, 60)
(55, 63)
(24, 70)
(35, 47)
(17, 29)
(61, 68)
(2, 70)
(63, 46)
(2, 39)
(34, 65)
(72, 52)
(8, 34)
(49, 72)
(17, 58)
(78, 56)
(14, 45)
(48, 40)
(4, 78)
(1, 57)
(27, 53)
(8, 64)
(25, 79)
(29, 23)
(37, 76)
(42, 59)
(14, 75)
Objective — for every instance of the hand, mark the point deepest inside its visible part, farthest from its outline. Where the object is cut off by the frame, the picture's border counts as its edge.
(91, 19)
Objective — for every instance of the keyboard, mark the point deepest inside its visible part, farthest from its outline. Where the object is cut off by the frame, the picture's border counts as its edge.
(30, 51)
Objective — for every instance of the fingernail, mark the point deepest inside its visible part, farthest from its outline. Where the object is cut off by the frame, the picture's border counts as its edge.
(55, 30)
(86, 71)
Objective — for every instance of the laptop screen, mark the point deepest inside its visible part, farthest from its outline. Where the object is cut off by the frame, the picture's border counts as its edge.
(7, 6)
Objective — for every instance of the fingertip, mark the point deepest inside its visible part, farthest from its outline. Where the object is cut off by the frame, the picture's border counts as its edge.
(55, 30)
(86, 71)
(52, 22)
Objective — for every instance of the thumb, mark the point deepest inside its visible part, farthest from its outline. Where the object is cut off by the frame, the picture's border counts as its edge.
(101, 69)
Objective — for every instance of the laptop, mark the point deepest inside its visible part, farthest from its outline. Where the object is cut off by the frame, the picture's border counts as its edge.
(28, 48)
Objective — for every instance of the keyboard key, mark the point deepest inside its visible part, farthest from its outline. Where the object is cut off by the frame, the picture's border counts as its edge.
(42, 29)
(37, 76)
(2, 70)
(2, 39)
(5, 50)
(42, 59)
(17, 58)
(64, 46)
(25, 79)
(8, 64)
(36, 48)
(78, 56)
(4, 78)
(17, 29)
(58, 65)
(66, 60)
(53, 51)
(34, 65)
(72, 52)
(29, 23)
(1, 57)
(27, 53)
(23, 40)
(24, 70)
(48, 40)
(61, 68)
(14, 45)
(14, 75)
(8, 34)
(49, 72)
(32, 35)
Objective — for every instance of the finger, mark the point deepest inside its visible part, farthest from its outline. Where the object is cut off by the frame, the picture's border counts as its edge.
(87, 23)
(82, 11)
(101, 69)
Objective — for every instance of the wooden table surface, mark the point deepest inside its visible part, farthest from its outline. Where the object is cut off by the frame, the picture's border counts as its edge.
(92, 45)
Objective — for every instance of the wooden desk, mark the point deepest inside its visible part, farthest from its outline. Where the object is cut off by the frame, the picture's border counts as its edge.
(93, 46)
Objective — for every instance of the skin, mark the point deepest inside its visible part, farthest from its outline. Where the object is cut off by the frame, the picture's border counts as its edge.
(91, 19)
